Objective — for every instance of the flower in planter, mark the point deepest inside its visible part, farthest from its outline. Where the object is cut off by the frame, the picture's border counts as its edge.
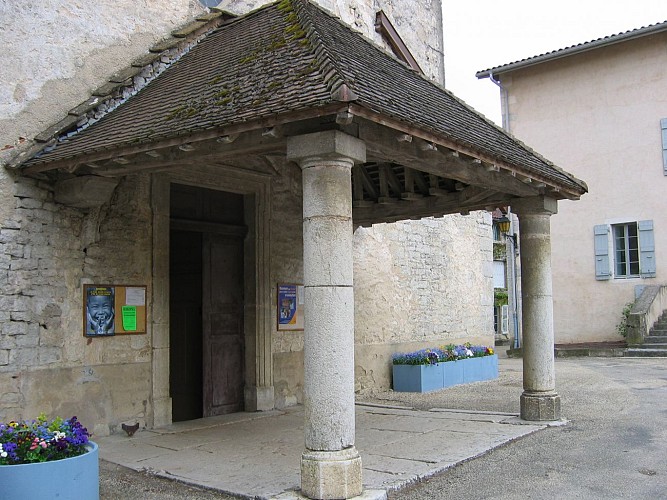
(41, 440)
(449, 352)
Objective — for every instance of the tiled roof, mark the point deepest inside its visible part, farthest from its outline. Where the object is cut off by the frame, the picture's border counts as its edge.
(575, 49)
(287, 57)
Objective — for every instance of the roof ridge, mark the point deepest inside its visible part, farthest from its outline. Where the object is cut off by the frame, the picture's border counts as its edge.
(333, 77)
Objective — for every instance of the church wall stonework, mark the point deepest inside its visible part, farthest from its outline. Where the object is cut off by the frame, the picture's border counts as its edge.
(78, 47)
(420, 284)
(48, 252)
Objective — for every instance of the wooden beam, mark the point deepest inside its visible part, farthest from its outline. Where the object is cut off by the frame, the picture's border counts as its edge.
(384, 174)
(357, 184)
(420, 180)
(408, 180)
(432, 206)
(369, 117)
(474, 194)
(253, 143)
(367, 183)
(380, 145)
(386, 29)
(392, 179)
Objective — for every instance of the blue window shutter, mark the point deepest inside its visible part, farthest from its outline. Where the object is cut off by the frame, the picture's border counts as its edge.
(646, 249)
(663, 127)
(602, 269)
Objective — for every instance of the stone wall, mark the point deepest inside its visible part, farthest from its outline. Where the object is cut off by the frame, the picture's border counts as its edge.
(420, 284)
(417, 284)
(48, 252)
(78, 47)
(287, 267)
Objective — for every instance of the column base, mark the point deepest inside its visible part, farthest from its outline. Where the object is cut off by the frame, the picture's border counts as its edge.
(259, 398)
(331, 474)
(540, 407)
(161, 412)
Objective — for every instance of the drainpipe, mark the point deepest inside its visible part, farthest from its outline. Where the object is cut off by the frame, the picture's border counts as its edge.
(504, 102)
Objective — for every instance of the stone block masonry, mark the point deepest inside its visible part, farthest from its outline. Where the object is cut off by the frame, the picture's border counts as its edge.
(47, 251)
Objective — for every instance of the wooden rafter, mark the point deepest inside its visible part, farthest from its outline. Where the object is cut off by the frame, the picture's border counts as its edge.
(438, 162)
(426, 207)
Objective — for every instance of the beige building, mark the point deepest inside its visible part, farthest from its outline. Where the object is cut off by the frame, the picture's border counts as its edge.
(598, 109)
(206, 222)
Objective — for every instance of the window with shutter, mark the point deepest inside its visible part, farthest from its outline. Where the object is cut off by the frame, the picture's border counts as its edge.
(626, 250)
(632, 254)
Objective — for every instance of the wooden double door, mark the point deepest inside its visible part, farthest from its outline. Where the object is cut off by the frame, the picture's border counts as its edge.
(206, 319)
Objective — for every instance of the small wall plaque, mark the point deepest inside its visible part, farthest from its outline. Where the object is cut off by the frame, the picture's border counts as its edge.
(290, 307)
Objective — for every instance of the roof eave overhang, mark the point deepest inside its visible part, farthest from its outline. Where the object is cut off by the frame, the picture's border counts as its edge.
(183, 138)
(432, 141)
(428, 142)
(570, 51)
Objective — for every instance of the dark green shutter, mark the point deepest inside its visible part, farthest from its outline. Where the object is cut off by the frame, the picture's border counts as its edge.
(646, 249)
(602, 270)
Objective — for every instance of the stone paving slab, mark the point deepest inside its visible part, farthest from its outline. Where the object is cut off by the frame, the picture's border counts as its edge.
(257, 455)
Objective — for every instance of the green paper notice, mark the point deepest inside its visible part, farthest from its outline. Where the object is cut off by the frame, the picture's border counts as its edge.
(129, 318)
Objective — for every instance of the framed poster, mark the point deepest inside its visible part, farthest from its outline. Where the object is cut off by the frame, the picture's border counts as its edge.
(290, 307)
(113, 310)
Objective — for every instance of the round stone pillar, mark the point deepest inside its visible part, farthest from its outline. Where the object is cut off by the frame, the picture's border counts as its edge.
(330, 465)
(539, 401)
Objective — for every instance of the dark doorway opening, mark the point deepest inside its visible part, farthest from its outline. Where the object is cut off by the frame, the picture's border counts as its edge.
(206, 373)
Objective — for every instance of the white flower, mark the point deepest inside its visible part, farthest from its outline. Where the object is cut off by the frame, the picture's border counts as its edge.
(57, 435)
(469, 353)
(3, 453)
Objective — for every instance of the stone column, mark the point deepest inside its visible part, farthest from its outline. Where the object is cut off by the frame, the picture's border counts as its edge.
(539, 401)
(330, 465)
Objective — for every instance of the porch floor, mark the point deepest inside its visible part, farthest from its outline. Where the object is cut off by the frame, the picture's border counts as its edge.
(257, 455)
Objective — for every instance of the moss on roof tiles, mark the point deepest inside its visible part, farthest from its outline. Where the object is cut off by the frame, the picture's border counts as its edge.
(287, 56)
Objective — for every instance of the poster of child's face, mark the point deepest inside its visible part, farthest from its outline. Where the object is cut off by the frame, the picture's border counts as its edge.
(100, 311)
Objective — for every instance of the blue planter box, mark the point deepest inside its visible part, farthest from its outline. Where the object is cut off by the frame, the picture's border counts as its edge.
(418, 378)
(425, 378)
(453, 373)
(478, 369)
(75, 478)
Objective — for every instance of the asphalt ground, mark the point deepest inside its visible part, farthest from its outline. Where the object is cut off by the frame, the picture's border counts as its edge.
(614, 446)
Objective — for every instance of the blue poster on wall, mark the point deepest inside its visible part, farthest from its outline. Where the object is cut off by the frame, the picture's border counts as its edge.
(290, 307)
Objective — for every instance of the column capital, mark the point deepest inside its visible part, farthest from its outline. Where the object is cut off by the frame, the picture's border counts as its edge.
(325, 146)
(535, 205)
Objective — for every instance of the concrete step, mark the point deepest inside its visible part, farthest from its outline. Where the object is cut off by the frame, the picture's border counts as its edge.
(634, 352)
(649, 344)
(656, 339)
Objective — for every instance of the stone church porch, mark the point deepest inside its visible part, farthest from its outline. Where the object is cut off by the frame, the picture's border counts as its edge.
(371, 141)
